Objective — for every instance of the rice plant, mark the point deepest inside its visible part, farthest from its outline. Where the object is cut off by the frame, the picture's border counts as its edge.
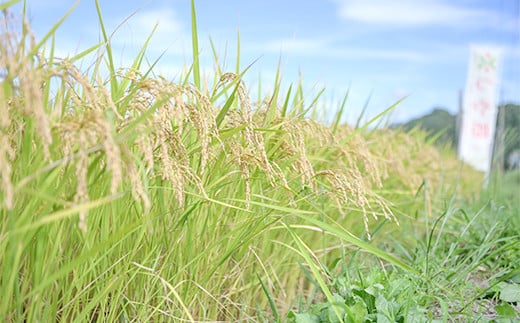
(127, 196)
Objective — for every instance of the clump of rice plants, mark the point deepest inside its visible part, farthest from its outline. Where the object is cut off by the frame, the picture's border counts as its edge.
(128, 196)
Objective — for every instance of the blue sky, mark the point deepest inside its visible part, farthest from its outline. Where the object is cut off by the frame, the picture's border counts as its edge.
(379, 49)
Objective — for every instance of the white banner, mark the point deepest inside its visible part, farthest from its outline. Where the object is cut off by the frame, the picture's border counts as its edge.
(479, 111)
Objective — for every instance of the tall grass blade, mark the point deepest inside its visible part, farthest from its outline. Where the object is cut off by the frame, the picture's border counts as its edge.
(52, 31)
(216, 60)
(63, 214)
(270, 299)
(8, 4)
(363, 111)
(336, 229)
(237, 64)
(339, 114)
(229, 102)
(84, 53)
(285, 105)
(195, 47)
(305, 253)
(373, 120)
(313, 104)
(273, 102)
(382, 114)
(108, 47)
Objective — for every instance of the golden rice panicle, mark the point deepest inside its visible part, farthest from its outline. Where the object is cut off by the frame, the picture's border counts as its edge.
(351, 170)
(295, 148)
(20, 96)
(81, 195)
(403, 153)
(241, 159)
(364, 162)
(346, 188)
(92, 106)
(136, 183)
(23, 74)
(366, 159)
(243, 155)
(144, 145)
(173, 159)
(7, 152)
(202, 117)
(248, 147)
(140, 102)
(80, 133)
(353, 151)
(86, 125)
(6, 157)
(83, 126)
(170, 119)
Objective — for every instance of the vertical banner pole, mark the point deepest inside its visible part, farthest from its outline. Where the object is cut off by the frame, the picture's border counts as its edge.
(479, 108)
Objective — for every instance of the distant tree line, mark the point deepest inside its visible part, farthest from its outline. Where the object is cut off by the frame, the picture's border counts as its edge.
(443, 124)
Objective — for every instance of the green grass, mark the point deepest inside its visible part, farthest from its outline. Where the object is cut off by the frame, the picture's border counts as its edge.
(129, 197)
(468, 263)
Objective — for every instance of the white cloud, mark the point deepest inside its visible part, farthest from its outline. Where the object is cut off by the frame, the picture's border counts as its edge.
(170, 34)
(291, 45)
(412, 13)
(381, 54)
(165, 18)
(327, 49)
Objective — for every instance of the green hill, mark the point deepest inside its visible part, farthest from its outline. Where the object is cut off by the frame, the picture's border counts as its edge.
(439, 120)
(444, 124)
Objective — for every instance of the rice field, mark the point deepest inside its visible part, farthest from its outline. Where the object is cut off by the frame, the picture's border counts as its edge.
(128, 197)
